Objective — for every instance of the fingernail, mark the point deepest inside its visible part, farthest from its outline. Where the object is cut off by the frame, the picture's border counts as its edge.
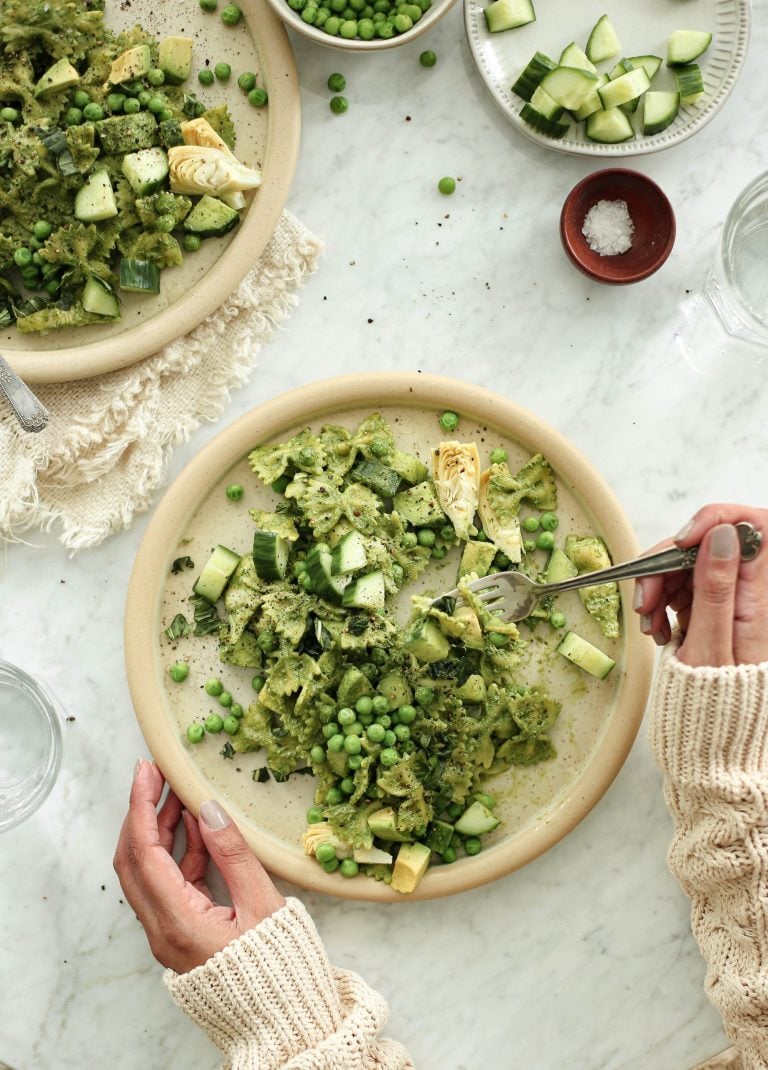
(724, 542)
(639, 597)
(659, 638)
(645, 624)
(138, 767)
(213, 816)
(684, 532)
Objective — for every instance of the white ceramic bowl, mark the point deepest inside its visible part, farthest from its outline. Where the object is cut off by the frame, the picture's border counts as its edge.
(296, 22)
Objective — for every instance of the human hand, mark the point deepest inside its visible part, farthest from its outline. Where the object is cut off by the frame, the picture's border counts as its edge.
(183, 924)
(722, 604)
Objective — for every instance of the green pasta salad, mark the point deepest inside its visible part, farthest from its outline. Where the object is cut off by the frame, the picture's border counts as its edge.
(111, 169)
(400, 725)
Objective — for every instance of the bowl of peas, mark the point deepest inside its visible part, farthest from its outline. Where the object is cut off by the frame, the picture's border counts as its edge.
(361, 25)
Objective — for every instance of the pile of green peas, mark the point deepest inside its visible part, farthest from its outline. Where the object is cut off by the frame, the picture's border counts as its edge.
(214, 722)
(36, 273)
(138, 95)
(359, 19)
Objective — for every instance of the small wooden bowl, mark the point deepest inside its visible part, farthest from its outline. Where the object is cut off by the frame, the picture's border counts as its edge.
(650, 211)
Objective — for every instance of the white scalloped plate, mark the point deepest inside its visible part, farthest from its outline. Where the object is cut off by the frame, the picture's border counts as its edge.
(643, 29)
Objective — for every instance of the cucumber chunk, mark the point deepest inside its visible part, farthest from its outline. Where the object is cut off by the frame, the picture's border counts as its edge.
(660, 108)
(379, 477)
(625, 88)
(476, 821)
(216, 574)
(508, 14)
(569, 86)
(650, 64)
(689, 82)
(603, 42)
(139, 276)
(593, 102)
(348, 555)
(609, 127)
(366, 592)
(270, 555)
(146, 170)
(545, 105)
(684, 46)
(573, 56)
(559, 567)
(211, 218)
(556, 128)
(319, 568)
(529, 78)
(95, 200)
(585, 655)
(98, 297)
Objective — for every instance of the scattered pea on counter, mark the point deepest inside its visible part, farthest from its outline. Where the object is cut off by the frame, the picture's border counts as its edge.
(337, 83)
(339, 105)
(447, 185)
(428, 58)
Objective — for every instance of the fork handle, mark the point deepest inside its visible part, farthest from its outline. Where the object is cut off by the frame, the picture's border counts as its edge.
(672, 560)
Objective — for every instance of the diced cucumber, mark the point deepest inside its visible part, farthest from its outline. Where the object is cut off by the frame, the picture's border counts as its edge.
(573, 56)
(139, 276)
(660, 108)
(425, 641)
(411, 469)
(95, 200)
(348, 555)
(650, 64)
(379, 477)
(211, 218)
(556, 128)
(216, 574)
(508, 14)
(530, 77)
(609, 127)
(476, 821)
(625, 88)
(383, 824)
(419, 505)
(585, 655)
(545, 105)
(318, 562)
(684, 46)
(602, 42)
(438, 836)
(146, 170)
(593, 102)
(569, 86)
(690, 83)
(100, 298)
(270, 555)
(366, 592)
(559, 568)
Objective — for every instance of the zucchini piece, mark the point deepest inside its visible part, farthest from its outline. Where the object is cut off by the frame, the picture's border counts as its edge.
(684, 46)
(508, 14)
(625, 88)
(530, 77)
(379, 477)
(211, 218)
(146, 170)
(100, 298)
(573, 56)
(95, 200)
(217, 573)
(139, 276)
(383, 824)
(348, 555)
(319, 569)
(270, 555)
(569, 86)
(689, 82)
(476, 557)
(660, 108)
(473, 690)
(396, 688)
(609, 127)
(477, 820)
(585, 655)
(602, 42)
(551, 128)
(366, 592)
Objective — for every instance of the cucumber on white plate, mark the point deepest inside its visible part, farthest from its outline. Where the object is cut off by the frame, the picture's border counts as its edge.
(684, 46)
(508, 14)
(609, 127)
(603, 42)
(660, 109)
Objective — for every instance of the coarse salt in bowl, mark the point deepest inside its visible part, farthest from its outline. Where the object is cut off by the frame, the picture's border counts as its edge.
(600, 204)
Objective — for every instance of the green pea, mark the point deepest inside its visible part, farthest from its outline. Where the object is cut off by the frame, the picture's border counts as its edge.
(406, 714)
(426, 537)
(257, 683)
(375, 733)
(428, 58)
(354, 761)
(165, 223)
(549, 521)
(331, 729)
(486, 800)
(309, 14)
(10, 115)
(364, 704)
(317, 754)
(225, 699)
(352, 744)
(236, 710)
(52, 287)
(93, 112)
(156, 77)
(481, 536)
(37, 260)
(424, 695)
(208, 5)
(333, 796)
(144, 97)
(336, 744)
(379, 655)
(472, 845)
(529, 545)
(205, 77)
(348, 867)
(235, 492)
(384, 720)
(134, 88)
(337, 83)
(116, 101)
(439, 552)
(332, 27)
(410, 539)
(214, 723)
(389, 738)
(73, 117)
(545, 540)
(154, 104)
(502, 561)
(179, 671)
(449, 420)
(354, 729)
(195, 733)
(447, 185)
(448, 533)
(247, 81)
(499, 455)
(324, 852)
(231, 15)
(131, 106)
(557, 619)
(389, 757)
(222, 71)
(449, 854)
(498, 640)
(231, 725)
(23, 257)
(347, 785)
(454, 810)
(346, 716)
(267, 641)
(338, 105)
(331, 866)
(166, 114)
(191, 242)
(348, 29)
(531, 523)
(258, 97)
(402, 732)
(380, 704)
(321, 17)
(80, 98)
(398, 574)
(314, 815)
(213, 687)
(402, 23)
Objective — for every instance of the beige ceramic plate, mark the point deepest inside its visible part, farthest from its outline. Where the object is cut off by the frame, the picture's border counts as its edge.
(266, 137)
(539, 805)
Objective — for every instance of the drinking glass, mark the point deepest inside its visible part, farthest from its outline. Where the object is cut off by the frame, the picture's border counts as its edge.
(30, 744)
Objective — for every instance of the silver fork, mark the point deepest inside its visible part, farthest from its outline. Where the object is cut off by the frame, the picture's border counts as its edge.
(513, 595)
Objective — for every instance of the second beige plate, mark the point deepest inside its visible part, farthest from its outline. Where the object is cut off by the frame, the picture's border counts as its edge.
(540, 804)
(266, 137)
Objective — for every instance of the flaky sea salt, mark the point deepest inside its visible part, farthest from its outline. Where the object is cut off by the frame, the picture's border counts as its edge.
(608, 228)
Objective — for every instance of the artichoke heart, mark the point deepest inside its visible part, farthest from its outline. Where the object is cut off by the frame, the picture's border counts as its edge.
(456, 475)
(320, 833)
(200, 132)
(207, 169)
(499, 517)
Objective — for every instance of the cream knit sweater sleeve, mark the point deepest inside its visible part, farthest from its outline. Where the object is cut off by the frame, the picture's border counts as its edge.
(272, 999)
(709, 734)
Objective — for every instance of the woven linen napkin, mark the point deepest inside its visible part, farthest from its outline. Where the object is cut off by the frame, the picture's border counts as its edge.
(107, 446)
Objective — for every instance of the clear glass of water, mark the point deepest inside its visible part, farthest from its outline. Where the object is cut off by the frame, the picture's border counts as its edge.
(30, 744)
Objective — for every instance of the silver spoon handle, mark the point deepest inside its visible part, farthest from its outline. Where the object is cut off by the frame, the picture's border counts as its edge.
(30, 411)
(672, 560)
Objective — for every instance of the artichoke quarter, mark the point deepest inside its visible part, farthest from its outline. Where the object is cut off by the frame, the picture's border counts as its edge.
(206, 165)
(456, 475)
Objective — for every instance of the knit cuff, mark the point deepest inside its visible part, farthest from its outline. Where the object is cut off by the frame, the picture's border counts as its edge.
(268, 995)
(705, 719)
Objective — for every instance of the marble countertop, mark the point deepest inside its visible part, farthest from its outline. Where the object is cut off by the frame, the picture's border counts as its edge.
(584, 958)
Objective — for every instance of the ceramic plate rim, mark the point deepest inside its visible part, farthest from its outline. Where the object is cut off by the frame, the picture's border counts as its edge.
(211, 291)
(655, 143)
(314, 401)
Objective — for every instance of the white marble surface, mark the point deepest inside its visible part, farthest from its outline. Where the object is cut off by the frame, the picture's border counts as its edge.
(584, 959)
